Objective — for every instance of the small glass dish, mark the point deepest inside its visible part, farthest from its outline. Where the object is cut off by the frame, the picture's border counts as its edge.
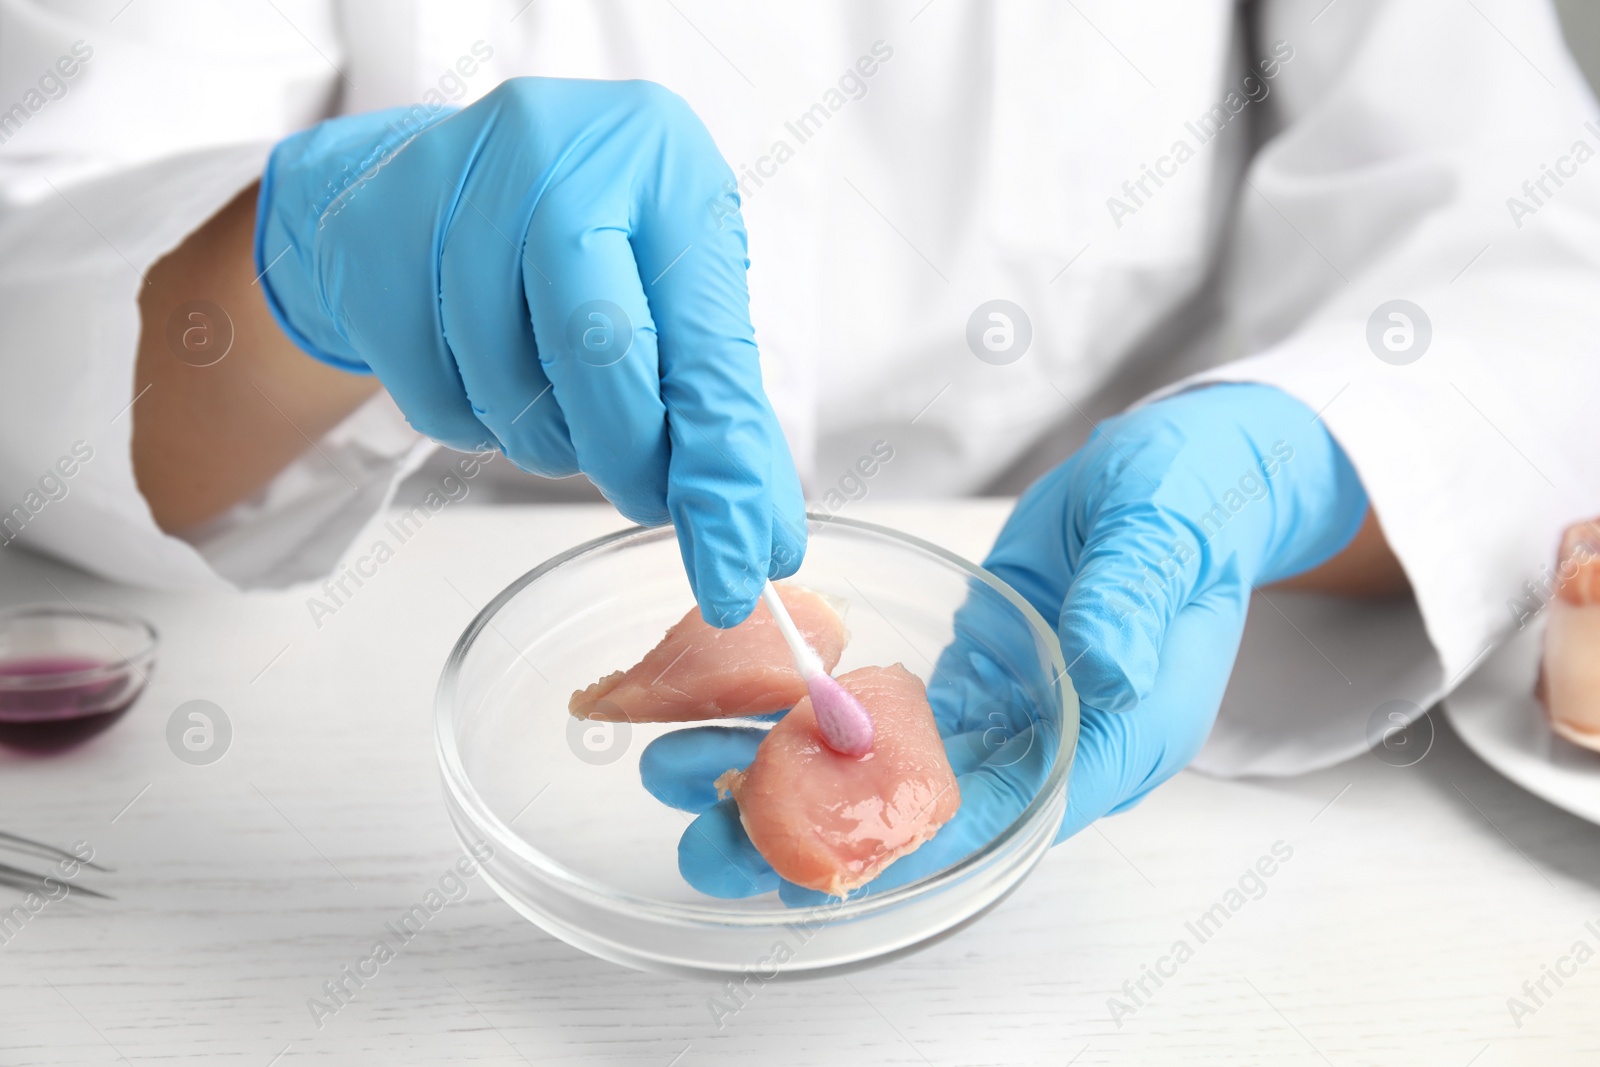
(570, 838)
(67, 674)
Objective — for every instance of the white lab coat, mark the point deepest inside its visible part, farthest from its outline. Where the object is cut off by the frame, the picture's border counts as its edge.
(996, 151)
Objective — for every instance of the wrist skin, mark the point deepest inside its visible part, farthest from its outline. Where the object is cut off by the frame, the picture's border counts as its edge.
(207, 437)
(1365, 569)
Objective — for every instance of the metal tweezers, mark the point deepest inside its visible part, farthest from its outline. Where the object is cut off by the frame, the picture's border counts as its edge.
(19, 878)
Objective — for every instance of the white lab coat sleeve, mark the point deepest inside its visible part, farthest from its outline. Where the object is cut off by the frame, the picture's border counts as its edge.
(131, 125)
(1443, 154)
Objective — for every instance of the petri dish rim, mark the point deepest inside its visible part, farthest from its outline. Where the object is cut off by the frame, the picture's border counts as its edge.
(137, 660)
(486, 821)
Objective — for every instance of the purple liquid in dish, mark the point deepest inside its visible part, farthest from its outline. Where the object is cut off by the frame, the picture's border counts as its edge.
(52, 716)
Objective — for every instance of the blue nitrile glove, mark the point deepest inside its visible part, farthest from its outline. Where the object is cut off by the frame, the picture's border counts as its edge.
(558, 270)
(1144, 548)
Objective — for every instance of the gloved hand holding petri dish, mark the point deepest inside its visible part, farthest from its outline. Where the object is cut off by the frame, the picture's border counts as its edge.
(565, 776)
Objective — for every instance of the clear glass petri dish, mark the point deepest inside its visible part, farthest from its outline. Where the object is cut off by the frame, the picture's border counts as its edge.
(67, 674)
(569, 837)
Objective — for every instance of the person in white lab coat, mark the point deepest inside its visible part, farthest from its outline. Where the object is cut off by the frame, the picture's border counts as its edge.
(967, 226)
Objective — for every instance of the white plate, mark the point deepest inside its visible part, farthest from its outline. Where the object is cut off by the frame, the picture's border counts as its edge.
(1496, 715)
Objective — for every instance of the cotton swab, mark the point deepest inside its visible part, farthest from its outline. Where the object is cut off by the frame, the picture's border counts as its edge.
(845, 725)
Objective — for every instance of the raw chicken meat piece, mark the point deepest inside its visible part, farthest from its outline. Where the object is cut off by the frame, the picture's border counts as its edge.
(701, 672)
(831, 822)
(1569, 676)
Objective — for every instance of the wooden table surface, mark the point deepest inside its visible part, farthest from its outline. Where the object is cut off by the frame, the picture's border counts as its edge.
(1413, 904)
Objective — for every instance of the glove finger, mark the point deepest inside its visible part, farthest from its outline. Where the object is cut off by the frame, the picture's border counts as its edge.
(974, 685)
(423, 382)
(593, 325)
(716, 857)
(1122, 756)
(679, 768)
(376, 249)
(483, 274)
(1092, 547)
(1136, 570)
(732, 487)
(597, 344)
(968, 751)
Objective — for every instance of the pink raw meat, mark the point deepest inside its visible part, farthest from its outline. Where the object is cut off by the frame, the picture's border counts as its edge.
(1569, 674)
(832, 822)
(701, 672)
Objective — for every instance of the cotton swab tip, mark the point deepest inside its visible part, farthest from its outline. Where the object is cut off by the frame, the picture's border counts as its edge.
(844, 724)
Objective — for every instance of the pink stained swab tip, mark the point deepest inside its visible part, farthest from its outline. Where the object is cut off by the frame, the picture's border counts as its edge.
(844, 724)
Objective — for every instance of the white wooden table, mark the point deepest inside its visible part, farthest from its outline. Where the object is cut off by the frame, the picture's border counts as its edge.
(1417, 900)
